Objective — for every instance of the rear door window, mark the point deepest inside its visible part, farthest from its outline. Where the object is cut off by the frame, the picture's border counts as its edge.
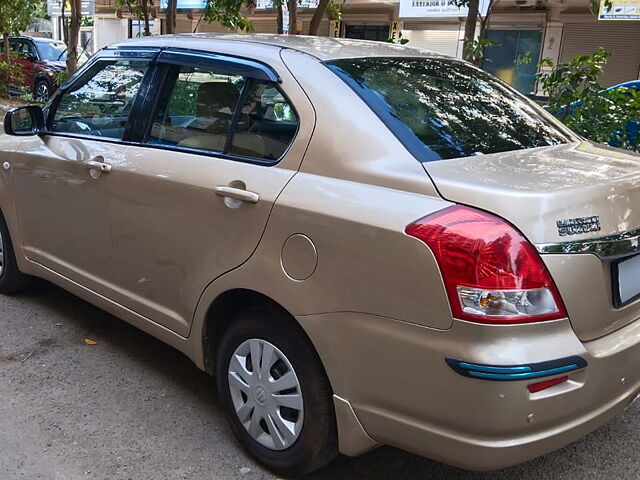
(196, 109)
(206, 110)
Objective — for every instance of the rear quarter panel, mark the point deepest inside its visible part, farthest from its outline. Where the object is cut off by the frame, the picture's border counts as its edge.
(357, 190)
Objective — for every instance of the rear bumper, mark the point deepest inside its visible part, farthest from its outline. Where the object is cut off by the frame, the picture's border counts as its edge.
(404, 394)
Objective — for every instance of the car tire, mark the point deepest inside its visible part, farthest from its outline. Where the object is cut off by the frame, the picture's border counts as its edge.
(42, 90)
(275, 437)
(12, 280)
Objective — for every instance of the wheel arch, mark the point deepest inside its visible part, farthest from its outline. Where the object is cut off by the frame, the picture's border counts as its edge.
(224, 309)
(42, 76)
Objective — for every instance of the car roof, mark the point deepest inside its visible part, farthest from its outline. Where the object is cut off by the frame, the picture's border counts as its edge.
(323, 48)
(37, 39)
(629, 84)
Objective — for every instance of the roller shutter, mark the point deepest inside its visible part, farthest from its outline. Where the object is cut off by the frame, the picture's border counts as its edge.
(213, 27)
(622, 39)
(264, 25)
(436, 38)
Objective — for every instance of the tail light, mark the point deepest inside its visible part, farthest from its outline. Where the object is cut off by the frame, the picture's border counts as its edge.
(492, 274)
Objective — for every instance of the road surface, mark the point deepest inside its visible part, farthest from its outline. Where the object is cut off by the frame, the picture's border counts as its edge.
(131, 407)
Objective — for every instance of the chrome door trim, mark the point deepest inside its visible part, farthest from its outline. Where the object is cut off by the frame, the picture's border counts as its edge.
(607, 248)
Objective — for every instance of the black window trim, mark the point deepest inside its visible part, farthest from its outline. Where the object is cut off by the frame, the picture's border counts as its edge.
(246, 88)
(224, 63)
(139, 124)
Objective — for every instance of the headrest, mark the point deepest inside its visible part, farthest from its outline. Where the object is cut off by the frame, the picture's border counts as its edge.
(216, 98)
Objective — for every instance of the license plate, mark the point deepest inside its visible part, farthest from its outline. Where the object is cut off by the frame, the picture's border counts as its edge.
(626, 275)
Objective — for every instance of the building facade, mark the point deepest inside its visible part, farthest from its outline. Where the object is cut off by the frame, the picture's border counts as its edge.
(526, 31)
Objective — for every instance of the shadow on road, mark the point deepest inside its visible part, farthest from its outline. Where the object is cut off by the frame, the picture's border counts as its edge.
(610, 452)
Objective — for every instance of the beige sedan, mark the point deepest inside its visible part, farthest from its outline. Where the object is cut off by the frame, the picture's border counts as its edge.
(365, 243)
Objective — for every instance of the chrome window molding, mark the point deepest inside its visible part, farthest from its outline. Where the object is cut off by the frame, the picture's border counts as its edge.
(608, 247)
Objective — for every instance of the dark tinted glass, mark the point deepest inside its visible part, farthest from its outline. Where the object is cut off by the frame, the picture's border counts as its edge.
(441, 108)
(266, 124)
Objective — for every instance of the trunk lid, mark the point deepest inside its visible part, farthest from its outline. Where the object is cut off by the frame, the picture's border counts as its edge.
(536, 188)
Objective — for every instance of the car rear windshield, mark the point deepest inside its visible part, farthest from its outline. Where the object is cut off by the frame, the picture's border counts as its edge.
(440, 108)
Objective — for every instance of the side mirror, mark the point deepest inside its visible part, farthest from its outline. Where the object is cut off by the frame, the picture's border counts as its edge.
(24, 121)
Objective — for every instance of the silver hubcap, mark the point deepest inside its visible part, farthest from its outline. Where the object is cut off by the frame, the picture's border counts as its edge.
(1, 255)
(42, 92)
(266, 394)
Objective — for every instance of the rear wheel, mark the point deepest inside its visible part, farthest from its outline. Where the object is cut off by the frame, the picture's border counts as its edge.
(42, 90)
(12, 280)
(276, 394)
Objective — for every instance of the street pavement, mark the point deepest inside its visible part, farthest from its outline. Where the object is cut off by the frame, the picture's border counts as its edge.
(130, 407)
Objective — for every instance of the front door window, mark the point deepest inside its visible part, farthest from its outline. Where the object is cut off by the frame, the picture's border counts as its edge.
(100, 105)
(515, 57)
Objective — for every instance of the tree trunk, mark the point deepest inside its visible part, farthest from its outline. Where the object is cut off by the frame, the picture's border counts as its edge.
(470, 26)
(145, 16)
(484, 21)
(484, 26)
(172, 6)
(64, 25)
(293, 20)
(317, 17)
(279, 18)
(7, 50)
(5, 74)
(74, 34)
(5, 40)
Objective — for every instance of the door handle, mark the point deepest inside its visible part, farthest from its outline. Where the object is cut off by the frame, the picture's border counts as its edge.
(98, 164)
(237, 194)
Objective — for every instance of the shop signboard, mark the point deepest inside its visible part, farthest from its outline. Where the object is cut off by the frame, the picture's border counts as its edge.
(260, 4)
(620, 10)
(436, 8)
(54, 7)
(268, 4)
(394, 31)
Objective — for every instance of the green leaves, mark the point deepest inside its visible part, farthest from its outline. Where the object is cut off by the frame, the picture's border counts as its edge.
(135, 7)
(228, 13)
(475, 49)
(334, 11)
(10, 73)
(573, 81)
(594, 6)
(17, 15)
(139, 9)
(576, 97)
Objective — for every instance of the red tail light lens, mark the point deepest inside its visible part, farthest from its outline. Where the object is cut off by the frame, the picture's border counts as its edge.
(492, 274)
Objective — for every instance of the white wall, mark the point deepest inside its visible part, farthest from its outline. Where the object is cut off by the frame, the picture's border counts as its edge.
(108, 30)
